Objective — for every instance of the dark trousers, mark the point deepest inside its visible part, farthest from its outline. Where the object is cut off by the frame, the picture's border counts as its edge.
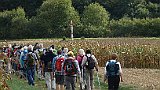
(113, 82)
(70, 82)
(30, 75)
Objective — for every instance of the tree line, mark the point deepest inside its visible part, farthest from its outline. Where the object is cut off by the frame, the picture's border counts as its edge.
(91, 18)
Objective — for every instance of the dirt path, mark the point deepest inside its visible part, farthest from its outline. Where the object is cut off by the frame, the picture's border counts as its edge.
(143, 79)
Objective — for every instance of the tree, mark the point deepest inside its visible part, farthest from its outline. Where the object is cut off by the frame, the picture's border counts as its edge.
(58, 14)
(30, 6)
(96, 17)
(80, 5)
(13, 24)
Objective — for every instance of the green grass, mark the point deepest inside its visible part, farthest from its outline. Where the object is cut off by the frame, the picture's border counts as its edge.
(104, 86)
(21, 84)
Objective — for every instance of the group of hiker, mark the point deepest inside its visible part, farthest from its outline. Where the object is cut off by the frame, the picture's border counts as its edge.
(61, 69)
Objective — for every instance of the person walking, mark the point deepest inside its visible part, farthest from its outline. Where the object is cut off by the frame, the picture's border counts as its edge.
(31, 65)
(47, 65)
(71, 69)
(58, 70)
(113, 72)
(89, 63)
(79, 58)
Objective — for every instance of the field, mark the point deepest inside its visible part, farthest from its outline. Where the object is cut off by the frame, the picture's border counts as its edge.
(140, 57)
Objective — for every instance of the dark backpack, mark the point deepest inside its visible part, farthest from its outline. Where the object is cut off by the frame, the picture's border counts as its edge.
(112, 69)
(90, 64)
(49, 65)
(30, 60)
(70, 67)
(58, 65)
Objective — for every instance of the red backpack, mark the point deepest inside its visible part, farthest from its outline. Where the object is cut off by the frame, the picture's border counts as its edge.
(58, 65)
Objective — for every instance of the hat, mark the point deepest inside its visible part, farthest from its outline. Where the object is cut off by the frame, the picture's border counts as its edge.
(25, 47)
(70, 53)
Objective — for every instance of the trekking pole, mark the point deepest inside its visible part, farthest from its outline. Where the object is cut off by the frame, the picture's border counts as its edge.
(99, 81)
(81, 83)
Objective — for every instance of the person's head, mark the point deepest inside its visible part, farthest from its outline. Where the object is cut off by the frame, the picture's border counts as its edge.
(59, 52)
(114, 56)
(81, 52)
(88, 51)
(25, 47)
(41, 45)
(9, 45)
(52, 46)
(30, 48)
(50, 49)
(62, 48)
(70, 54)
(65, 50)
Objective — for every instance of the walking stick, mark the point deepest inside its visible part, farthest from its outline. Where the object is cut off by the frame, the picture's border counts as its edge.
(99, 81)
(81, 82)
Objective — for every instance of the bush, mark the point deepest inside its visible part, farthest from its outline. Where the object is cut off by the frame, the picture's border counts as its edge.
(82, 38)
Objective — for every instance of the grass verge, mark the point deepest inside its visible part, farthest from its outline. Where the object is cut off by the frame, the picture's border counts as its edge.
(21, 84)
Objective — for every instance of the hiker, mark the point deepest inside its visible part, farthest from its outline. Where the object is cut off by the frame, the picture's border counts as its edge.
(9, 55)
(40, 55)
(22, 60)
(47, 65)
(79, 58)
(58, 71)
(18, 53)
(31, 65)
(89, 62)
(113, 72)
(71, 69)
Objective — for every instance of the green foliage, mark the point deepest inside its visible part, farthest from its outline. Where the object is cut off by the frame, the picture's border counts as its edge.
(98, 18)
(95, 15)
(81, 4)
(95, 20)
(135, 27)
(57, 14)
(30, 6)
(13, 24)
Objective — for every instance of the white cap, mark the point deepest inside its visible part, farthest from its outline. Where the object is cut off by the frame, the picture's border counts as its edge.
(25, 47)
(30, 47)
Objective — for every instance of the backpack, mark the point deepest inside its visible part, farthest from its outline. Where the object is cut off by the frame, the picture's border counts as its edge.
(30, 60)
(9, 52)
(40, 53)
(112, 69)
(90, 64)
(80, 61)
(70, 67)
(24, 56)
(49, 65)
(58, 64)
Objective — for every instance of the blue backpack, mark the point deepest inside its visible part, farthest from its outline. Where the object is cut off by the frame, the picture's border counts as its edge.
(112, 69)
(24, 56)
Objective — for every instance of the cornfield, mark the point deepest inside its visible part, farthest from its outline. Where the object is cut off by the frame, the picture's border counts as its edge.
(132, 52)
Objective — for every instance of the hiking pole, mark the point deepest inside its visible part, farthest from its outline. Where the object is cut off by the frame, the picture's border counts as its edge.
(99, 81)
(81, 82)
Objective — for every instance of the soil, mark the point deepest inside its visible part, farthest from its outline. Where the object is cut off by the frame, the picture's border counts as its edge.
(141, 79)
